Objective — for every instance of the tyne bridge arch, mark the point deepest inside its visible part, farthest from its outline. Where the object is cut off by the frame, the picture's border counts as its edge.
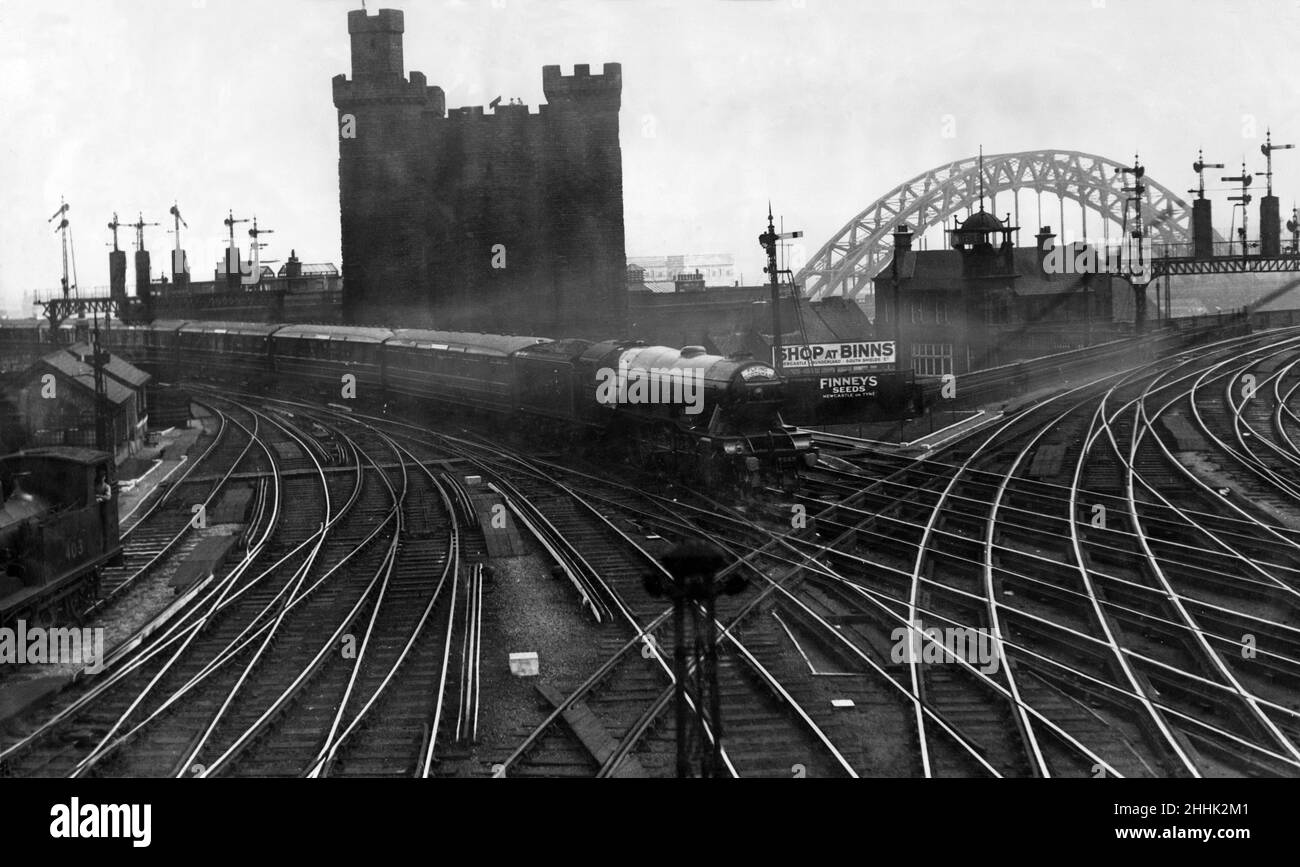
(846, 264)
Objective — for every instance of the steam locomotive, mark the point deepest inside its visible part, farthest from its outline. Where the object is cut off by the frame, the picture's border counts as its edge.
(58, 528)
(710, 419)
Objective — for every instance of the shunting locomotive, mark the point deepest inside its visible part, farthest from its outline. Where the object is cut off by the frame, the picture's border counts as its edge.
(58, 528)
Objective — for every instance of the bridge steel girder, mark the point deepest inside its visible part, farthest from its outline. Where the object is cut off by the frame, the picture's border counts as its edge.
(846, 264)
(1224, 265)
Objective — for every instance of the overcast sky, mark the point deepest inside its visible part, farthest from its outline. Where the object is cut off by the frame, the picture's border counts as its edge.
(820, 106)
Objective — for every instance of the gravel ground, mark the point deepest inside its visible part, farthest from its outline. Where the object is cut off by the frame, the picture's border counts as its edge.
(525, 609)
(1211, 473)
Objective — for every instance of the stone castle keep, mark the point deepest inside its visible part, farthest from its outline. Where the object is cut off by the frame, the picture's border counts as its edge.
(434, 202)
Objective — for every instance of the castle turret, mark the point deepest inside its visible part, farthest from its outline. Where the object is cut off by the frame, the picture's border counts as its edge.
(503, 220)
(586, 187)
(382, 120)
(377, 43)
(582, 89)
(379, 71)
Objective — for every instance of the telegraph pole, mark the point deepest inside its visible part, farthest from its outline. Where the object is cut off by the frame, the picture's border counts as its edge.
(233, 266)
(1267, 150)
(1245, 179)
(768, 240)
(98, 359)
(257, 246)
(1138, 171)
(63, 228)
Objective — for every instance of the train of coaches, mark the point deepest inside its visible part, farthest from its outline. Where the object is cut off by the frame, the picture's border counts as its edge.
(709, 419)
(715, 421)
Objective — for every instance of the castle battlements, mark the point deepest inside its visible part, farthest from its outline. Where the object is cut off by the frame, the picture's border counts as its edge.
(367, 91)
(504, 113)
(605, 89)
(384, 21)
(427, 195)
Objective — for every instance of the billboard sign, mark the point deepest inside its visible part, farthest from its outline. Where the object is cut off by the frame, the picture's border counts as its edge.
(843, 398)
(870, 354)
(840, 387)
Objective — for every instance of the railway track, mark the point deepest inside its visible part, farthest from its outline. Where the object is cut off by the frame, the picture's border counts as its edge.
(606, 566)
(163, 523)
(1103, 583)
(176, 656)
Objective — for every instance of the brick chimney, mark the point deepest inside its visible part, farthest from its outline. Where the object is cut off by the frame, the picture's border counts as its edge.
(1044, 241)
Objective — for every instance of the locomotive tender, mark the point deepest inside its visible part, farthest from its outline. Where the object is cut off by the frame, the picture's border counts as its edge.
(717, 421)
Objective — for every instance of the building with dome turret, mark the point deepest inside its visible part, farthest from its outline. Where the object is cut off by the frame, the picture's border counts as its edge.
(984, 301)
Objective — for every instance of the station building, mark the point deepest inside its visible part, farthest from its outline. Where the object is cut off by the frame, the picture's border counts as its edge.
(985, 302)
(738, 319)
(55, 401)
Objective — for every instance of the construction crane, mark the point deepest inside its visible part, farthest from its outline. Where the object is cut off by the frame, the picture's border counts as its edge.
(1267, 149)
(65, 229)
(1199, 167)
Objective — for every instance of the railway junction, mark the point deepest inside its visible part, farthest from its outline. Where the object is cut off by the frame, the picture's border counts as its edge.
(1095, 578)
